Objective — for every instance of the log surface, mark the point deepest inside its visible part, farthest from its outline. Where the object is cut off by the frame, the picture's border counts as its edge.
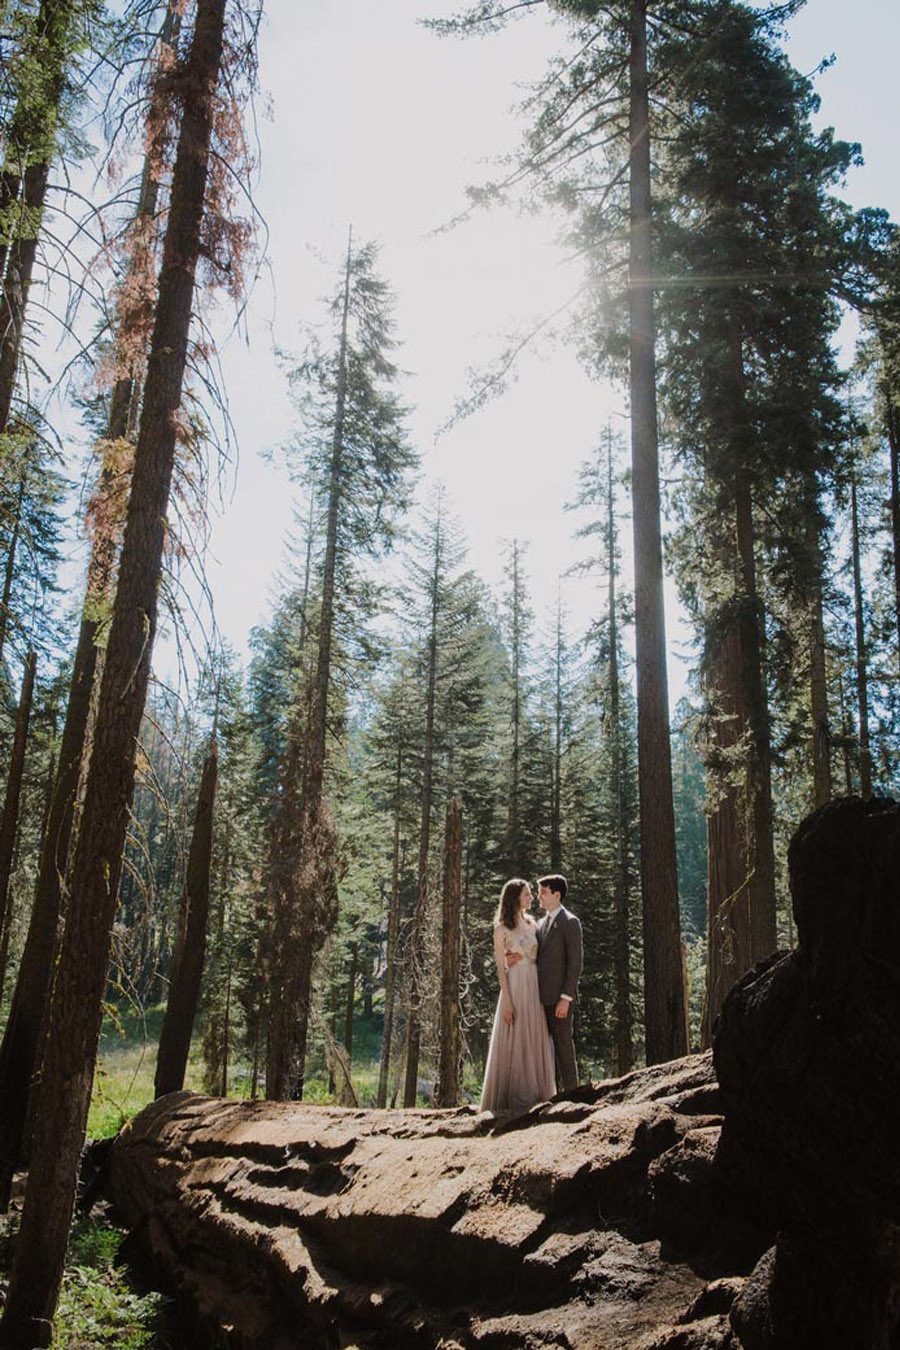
(592, 1221)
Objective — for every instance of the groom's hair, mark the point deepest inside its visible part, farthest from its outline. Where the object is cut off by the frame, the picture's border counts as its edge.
(555, 883)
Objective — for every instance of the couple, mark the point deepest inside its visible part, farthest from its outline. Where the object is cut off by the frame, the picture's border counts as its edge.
(538, 965)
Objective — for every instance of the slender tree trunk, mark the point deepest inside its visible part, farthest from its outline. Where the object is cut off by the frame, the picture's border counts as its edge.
(10, 569)
(417, 940)
(893, 433)
(818, 686)
(556, 783)
(70, 1054)
(666, 1033)
(761, 846)
(9, 821)
(17, 284)
(846, 735)
(514, 847)
(862, 655)
(391, 950)
(351, 1000)
(308, 917)
(190, 945)
(22, 1036)
(447, 1093)
(624, 1045)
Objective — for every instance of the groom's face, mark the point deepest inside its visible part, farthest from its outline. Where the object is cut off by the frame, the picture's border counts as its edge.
(546, 897)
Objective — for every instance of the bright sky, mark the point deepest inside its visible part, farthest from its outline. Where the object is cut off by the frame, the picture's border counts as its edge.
(379, 123)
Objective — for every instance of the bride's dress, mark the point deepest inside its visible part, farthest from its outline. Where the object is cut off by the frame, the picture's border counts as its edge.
(519, 1070)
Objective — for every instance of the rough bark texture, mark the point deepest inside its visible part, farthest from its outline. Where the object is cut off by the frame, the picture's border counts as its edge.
(417, 938)
(68, 1065)
(450, 1054)
(808, 1057)
(19, 1051)
(304, 1226)
(390, 960)
(862, 653)
(665, 1029)
(9, 821)
(190, 945)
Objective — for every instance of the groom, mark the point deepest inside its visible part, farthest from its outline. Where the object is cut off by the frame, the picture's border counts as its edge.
(559, 966)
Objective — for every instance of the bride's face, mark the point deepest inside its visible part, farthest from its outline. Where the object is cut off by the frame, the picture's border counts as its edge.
(525, 899)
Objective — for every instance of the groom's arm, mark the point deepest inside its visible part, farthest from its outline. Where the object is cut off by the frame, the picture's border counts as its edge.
(574, 957)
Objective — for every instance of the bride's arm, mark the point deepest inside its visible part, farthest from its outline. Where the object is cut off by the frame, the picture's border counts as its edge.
(506, 1003)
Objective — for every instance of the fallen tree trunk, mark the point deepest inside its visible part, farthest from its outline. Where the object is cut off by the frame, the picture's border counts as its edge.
(627, 1214)
(299, 1225)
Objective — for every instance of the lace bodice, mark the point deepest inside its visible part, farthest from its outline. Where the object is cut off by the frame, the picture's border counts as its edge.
(522, 938)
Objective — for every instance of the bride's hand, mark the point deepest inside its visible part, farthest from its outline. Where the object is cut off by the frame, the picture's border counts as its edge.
(509, 1012)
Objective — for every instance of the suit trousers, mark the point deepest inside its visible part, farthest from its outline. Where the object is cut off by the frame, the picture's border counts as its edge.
(562, 1036)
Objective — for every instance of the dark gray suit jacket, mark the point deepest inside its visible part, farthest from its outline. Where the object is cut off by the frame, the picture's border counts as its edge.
(559, 957)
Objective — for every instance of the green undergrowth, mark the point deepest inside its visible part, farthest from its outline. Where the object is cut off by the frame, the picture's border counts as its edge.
(99, 1306)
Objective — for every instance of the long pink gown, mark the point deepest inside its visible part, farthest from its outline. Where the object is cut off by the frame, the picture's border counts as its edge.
(519, 1070)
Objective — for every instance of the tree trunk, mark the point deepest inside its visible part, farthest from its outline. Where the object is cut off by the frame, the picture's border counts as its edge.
(818, 686)
(190, 946)
(391, 950)
(862, 655)
(417, 939)
(556, 783)
(893, 434)
(450, 1050)
(623, 1035)
(68, 1066)
(10, 569)
(666, 1033)
(19, 1050)
(761, 850)
(513, 847)
(351, 1000)
(17, 283)
(10, 819)
(315, 892)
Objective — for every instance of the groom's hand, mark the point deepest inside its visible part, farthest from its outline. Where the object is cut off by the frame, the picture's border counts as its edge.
(512, 959)
(562, 1008)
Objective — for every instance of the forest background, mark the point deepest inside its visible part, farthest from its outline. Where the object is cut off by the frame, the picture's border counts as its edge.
(396, 661)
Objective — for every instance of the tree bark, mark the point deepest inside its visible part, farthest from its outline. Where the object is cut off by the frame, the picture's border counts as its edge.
(391, 948)
(10, 569)
(19, 1050)
(417, 939)
(68, 1066)
(10, 820)
(862, 655)
(666, 1033)
(893, 434)
(623, 1034)
(450, 1049)
(190, 945)
(818, 688)
(17, 283)
(351, 1000)
(556, 784)
(302, 933)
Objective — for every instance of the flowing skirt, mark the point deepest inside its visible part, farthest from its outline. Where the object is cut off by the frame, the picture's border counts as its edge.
(519, 1069)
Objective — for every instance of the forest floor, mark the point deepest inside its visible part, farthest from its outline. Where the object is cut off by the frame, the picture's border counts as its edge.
(102, 1306)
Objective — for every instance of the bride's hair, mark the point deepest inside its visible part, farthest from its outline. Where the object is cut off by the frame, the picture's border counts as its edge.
(508, 909)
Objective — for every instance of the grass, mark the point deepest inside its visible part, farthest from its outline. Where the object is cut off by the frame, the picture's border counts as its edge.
(98, 1304)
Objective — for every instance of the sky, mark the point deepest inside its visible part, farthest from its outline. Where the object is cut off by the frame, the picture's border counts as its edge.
(369, 119)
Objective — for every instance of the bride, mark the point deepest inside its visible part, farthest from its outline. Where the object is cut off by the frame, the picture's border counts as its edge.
(519, 1069)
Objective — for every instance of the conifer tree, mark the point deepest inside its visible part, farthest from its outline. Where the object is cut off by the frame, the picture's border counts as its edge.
(359, 461)
(74, 1024)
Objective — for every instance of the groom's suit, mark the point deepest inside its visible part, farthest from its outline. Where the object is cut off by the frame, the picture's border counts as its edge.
(559, 966)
